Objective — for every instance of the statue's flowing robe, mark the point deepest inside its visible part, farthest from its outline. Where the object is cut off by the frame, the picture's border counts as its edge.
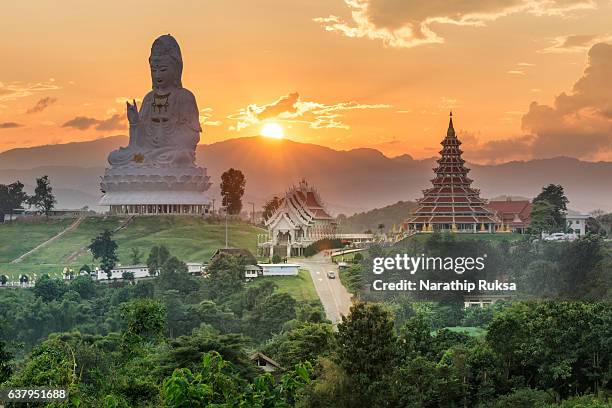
(167, 138)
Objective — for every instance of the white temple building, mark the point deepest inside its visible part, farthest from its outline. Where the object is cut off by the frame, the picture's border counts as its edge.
(300, 220)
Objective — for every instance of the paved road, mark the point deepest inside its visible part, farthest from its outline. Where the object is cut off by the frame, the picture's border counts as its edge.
(335, 298)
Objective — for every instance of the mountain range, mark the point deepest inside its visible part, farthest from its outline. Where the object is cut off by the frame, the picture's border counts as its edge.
(348, 181)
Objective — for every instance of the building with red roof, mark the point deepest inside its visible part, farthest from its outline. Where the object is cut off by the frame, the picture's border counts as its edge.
(451, 204)
(515, 215)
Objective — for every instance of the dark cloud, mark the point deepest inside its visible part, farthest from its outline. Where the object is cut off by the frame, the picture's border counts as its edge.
(81, 123)
(10, 125)
(42, 104)
(578, 124)
(498, 151)
(115, 122)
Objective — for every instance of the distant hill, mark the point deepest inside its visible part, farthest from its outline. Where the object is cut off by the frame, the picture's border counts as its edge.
(78, 154)
(389, 216)
(349, 181)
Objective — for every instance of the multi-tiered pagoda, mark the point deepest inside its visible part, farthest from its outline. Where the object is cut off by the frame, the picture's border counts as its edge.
(451, 204)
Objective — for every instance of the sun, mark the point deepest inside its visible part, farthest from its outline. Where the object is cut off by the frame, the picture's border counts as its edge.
(273, 130)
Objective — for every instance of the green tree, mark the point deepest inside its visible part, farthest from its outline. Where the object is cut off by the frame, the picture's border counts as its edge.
(104, 248)
(226, 276)
(158, 256)
(84, 286)
(12, 197)
(541, 279)
(174, 275)
(6, 368)
(543, 218)
(232, 190)
(270, 207)
(578, 261)
(145, 319)
(270, 314)
(522, 398)
(554, 194)
(214, 385)
(4, 202)
(49, 289)
(306, 342)
(128, 276)
(135, 256)
(43, 198)
(51, 364)
(366, 349)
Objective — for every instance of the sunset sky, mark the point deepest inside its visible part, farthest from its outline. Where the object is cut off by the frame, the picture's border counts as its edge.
(524, 78)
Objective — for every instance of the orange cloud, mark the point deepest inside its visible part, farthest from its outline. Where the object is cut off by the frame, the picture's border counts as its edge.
(16, 90)
(291, 108)
(574, 43)
(405, 24)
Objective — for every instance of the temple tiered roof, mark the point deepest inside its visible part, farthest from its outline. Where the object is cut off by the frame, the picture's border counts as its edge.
(299, 220)
(451, 203)
(300, 207)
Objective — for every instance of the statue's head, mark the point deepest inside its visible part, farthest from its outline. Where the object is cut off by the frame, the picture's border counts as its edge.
(166, 62)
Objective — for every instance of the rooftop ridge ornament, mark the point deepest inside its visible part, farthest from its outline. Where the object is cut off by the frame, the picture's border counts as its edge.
(451, 130)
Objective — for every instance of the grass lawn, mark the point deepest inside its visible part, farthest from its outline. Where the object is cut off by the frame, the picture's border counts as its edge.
(190, 239)
(299, 287)
(19, 237)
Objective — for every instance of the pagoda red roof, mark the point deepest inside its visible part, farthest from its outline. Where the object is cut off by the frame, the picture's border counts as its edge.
(451, 199)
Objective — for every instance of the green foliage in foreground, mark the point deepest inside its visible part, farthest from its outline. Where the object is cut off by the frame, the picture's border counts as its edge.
(215, 386)
(529, 358)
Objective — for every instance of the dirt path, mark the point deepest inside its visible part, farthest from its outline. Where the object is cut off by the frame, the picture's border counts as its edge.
(72, 257)
(71, 227)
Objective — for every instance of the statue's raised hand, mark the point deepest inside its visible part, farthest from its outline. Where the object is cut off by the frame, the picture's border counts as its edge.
(132, 113)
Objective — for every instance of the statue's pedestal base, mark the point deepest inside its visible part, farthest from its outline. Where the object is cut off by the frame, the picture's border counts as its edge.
(156, 203)
(150, 190)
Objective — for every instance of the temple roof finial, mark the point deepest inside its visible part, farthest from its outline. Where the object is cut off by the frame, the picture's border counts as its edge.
(451, 129)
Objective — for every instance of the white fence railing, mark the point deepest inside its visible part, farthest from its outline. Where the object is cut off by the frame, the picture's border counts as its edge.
(17, 285)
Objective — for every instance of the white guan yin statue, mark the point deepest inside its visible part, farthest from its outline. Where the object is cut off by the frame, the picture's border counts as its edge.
(156, 172)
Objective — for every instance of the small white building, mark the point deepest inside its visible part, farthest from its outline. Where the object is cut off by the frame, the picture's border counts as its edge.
(195, 268)
(139, 271)
(281, 269)
(483, 300)
(576, 222)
